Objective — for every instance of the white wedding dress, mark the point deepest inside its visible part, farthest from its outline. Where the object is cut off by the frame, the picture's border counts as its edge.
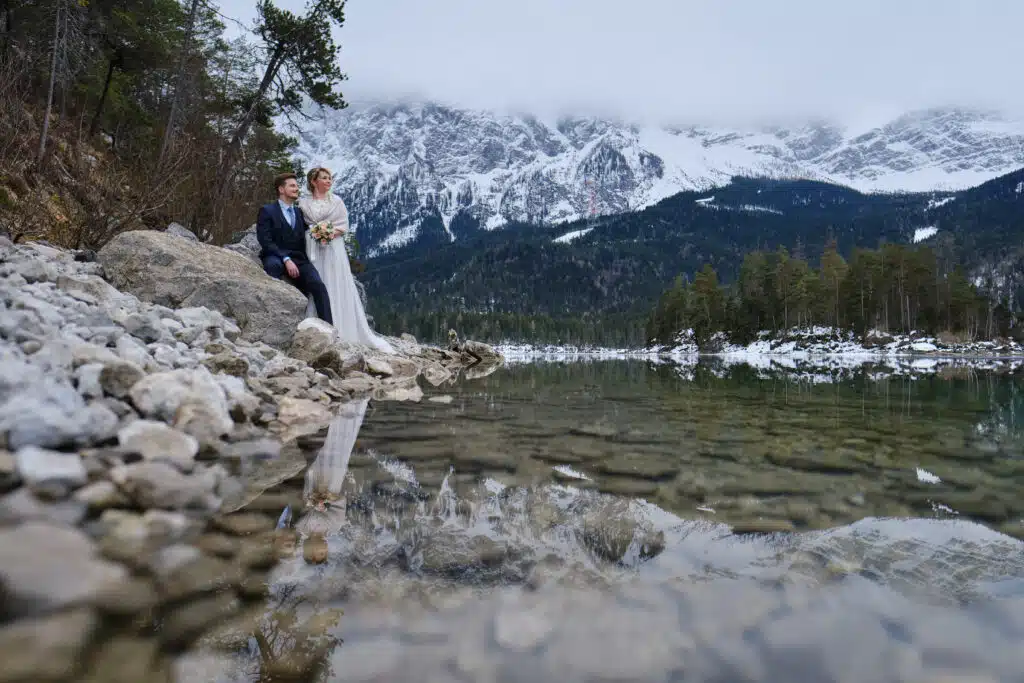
(331, 261)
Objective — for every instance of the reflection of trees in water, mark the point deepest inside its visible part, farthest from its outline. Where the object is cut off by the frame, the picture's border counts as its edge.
(287, 647)
(959, 396)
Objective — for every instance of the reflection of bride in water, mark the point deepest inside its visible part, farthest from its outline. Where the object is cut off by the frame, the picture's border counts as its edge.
(325, 505)
(286, 631)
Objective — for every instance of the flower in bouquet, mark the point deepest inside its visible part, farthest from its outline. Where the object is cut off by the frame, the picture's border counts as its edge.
(322, 232)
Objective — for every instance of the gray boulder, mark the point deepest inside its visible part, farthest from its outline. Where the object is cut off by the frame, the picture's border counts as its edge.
(171, 271)
(247, 245)
(179, 230)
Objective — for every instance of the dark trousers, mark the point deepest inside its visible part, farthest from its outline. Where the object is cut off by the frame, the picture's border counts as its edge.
(308, 282)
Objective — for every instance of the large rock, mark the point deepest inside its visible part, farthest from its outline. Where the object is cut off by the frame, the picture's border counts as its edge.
(247, 245)
(172, 271)
(179, 230)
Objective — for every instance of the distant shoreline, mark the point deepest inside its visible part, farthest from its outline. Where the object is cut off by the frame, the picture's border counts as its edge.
(795, 345)
(762, 358)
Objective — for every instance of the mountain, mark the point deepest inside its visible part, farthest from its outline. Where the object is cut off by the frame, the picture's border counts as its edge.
(613, 268)
(622, 262)
(985, 224)
(431, 174)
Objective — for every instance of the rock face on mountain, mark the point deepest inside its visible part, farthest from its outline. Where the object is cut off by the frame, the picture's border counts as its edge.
(432, 174)
(172, 271)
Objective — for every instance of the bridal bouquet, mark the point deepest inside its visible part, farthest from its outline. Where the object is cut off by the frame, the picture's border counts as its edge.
(322, 232)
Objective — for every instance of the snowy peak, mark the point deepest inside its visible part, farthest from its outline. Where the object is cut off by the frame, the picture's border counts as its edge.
(430, 172)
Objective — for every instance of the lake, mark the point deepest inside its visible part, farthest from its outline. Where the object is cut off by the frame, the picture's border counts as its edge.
(634, 521)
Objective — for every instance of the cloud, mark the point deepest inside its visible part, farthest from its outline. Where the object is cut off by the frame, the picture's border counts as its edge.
(686, 61)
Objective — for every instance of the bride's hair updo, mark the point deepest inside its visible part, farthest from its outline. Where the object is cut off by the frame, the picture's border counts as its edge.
(313, 174)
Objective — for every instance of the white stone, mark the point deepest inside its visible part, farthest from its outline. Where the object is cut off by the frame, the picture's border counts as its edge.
(39, 467)
(376, 366)
(87, 377)
(155, 441)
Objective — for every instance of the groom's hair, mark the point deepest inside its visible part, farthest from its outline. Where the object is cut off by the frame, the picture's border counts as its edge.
(281, 179)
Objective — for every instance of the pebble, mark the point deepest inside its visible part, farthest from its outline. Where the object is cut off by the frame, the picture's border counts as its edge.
(245, 523)
(143, 327)
(37, 582)
(186, 622)
(87, 379)
(22, 505)
(125, 659)
(101, 495)
(127, 597)
(31, 346)
(44, 649)
(181, 574)
(159, 485)
(45, 469)
(228, 363)
(118, 378)
(157, 442)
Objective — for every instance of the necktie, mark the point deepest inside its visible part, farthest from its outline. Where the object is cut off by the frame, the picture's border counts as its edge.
(291, 217)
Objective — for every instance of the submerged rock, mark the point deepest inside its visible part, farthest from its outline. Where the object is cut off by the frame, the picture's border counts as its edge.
(45, 568)
(51, 648)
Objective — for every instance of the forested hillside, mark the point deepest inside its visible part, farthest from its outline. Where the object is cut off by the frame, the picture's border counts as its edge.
(123, 114)
(602, 285)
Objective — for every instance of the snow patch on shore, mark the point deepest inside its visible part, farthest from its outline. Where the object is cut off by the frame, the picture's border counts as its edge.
(818, 351)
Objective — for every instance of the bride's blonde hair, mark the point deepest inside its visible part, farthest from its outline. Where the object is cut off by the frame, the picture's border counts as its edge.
(313, 174)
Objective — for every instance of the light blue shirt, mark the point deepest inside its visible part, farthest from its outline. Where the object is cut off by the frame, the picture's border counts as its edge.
(289, 213)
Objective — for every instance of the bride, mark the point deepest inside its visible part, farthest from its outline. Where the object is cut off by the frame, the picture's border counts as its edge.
(331, 261)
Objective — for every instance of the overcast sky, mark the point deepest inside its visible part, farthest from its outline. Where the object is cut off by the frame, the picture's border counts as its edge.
(686, 60)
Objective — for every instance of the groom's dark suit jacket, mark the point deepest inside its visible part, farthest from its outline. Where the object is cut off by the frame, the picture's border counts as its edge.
(276, 237)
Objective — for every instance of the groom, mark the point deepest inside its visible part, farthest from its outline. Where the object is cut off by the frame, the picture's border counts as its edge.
(281, 231)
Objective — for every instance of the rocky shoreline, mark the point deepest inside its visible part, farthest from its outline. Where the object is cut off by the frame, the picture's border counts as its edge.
(126, 417)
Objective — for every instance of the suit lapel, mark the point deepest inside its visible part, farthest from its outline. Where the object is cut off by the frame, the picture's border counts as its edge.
(279, 214)
(284, 220)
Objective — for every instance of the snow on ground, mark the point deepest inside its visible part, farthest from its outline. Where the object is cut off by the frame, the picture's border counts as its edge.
(922, 234)
(820, 354)
(397, 239)
(570, 236)
(936, 203)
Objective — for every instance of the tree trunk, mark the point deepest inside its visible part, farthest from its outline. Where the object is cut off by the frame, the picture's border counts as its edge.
(179, 86)
(242, 130)
(65, 69)
(94, 127)
(53, 81)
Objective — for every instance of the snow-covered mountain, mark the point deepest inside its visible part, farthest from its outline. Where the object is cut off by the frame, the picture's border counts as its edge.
(406, 170)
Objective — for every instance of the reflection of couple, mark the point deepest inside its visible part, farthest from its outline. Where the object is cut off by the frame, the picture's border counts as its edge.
(325, 506)
(320, 271)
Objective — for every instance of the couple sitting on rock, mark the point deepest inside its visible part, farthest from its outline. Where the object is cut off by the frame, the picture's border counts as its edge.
(289, 251)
